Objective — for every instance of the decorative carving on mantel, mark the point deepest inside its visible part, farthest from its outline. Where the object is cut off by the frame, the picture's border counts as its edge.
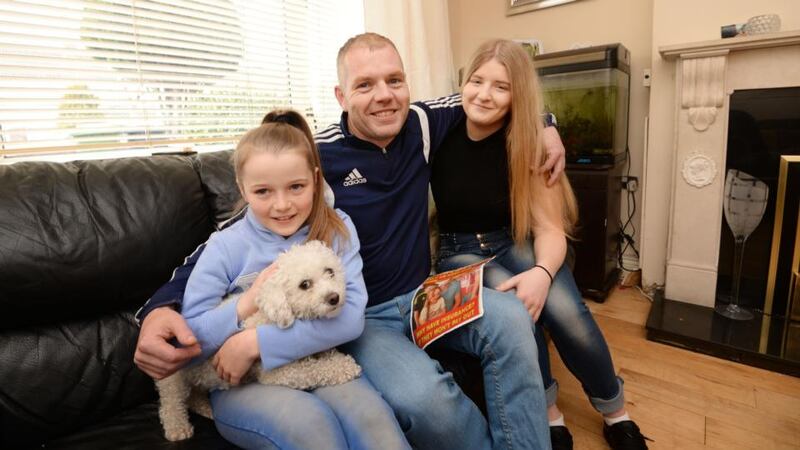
(703, 87)
(699, 170)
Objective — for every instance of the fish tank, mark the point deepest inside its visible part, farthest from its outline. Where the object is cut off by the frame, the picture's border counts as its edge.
(588, 91)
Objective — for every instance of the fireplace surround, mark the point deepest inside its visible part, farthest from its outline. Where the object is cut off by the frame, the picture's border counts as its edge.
(707, 73)
(706, 76)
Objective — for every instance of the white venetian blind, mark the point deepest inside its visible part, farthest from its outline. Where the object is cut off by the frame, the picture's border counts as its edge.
(110, 74)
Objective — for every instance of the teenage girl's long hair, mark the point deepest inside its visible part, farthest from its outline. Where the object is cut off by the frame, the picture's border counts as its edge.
(524, 144)
(287, 130)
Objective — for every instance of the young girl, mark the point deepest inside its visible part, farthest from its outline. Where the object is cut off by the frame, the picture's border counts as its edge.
(491, 202)
(278, 172)
(434, 305)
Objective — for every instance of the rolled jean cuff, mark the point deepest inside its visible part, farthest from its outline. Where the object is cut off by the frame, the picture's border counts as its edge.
(615, 403)
(551, 394)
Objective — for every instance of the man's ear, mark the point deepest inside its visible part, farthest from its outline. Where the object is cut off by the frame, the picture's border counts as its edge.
(340, 97)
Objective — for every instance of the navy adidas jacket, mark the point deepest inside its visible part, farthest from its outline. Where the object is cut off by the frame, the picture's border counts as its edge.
(385, 193)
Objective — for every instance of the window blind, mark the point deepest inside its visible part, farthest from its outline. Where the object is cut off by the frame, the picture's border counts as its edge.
(94, 75)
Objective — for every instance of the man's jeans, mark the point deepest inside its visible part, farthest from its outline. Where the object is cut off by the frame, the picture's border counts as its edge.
(569, 322)
(432, 410)
(347, 416)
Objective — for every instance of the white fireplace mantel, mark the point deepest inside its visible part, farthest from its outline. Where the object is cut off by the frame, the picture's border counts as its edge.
(707, 73)
(769, 40)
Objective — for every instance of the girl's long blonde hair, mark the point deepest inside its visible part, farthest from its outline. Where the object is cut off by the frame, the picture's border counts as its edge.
(524, 145)
(287, 130)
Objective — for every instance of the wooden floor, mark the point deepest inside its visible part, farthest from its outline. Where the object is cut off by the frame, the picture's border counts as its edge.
(681, 399)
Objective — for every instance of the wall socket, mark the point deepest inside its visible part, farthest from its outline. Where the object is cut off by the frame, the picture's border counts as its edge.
(630, 184)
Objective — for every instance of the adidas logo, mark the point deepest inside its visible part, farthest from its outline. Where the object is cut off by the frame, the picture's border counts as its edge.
(354, 177)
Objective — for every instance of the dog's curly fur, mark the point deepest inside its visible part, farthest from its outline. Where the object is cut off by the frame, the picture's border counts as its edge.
(308, 284)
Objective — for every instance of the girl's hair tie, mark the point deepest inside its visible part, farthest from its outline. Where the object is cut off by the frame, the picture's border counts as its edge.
(288, 117)
(545, 271)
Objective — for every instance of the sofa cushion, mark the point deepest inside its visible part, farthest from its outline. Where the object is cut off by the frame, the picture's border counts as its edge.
(58, 378)
(84, 238)
(219, 182)
(139, 429)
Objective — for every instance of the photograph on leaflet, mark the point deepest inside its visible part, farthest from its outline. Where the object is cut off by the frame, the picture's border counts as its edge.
(446, 301)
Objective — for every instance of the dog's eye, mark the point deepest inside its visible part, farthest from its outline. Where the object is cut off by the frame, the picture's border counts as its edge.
(329, 272)
(306, 285)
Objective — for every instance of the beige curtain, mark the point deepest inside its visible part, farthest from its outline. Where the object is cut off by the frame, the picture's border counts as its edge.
(421, 32)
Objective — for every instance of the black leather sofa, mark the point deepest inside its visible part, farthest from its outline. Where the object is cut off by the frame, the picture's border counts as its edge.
(82, 246)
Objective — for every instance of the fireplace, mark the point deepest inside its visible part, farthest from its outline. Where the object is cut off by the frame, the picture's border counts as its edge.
(763, 128)
(713, 79)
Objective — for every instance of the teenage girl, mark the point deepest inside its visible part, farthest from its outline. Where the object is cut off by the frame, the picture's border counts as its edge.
(278, 172)
(492, 202)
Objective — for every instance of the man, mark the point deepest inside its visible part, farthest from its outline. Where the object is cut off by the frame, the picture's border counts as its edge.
(376, 162)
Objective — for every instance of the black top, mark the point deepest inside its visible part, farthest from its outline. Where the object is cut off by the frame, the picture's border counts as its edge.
(469, 180)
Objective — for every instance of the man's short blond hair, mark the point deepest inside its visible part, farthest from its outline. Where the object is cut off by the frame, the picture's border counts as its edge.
(372, 41)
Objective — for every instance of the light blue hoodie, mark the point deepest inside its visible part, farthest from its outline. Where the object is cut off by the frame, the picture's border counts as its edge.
(230, 263)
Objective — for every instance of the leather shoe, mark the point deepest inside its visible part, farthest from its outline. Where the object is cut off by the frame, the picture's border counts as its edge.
(624, 435)
(560, 438)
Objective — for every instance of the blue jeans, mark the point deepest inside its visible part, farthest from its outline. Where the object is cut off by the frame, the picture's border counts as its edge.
(569, 322)
(348, 416)
(432, 410)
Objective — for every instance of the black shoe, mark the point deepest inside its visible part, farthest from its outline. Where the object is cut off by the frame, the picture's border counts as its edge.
(560, 439)
(624, 435)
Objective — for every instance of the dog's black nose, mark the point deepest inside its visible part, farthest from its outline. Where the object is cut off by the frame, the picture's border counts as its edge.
(332, 299)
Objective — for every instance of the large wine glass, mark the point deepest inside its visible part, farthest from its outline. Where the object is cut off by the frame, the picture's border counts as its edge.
(744, 204)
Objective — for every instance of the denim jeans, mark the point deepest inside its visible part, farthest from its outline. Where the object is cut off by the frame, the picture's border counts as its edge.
(570, 324)
(431, 408)
(347, 416)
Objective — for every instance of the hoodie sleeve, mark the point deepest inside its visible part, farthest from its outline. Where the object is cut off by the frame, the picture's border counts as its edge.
(208, 283)
(282, 346)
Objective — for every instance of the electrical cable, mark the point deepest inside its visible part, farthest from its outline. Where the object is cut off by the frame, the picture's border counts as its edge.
(627, 240)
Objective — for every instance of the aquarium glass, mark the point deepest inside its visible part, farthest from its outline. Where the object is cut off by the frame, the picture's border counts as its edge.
(592, 112)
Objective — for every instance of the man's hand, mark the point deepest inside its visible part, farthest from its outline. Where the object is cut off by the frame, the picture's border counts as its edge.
(554, 148)
(154, 355)
(531, 287)
(236, 356)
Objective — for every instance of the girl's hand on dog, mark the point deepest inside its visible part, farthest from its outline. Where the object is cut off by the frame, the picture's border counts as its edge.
(236, 356)
(247, 302)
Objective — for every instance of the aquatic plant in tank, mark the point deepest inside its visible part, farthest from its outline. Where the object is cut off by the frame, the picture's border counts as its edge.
(589, 112)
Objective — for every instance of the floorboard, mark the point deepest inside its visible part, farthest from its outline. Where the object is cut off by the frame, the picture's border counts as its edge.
(681, 399)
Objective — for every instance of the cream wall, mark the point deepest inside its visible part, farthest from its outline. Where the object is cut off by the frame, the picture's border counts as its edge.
(676, 22)
(593, 22)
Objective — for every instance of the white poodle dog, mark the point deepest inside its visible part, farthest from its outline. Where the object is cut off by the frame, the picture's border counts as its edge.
(308, 284)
